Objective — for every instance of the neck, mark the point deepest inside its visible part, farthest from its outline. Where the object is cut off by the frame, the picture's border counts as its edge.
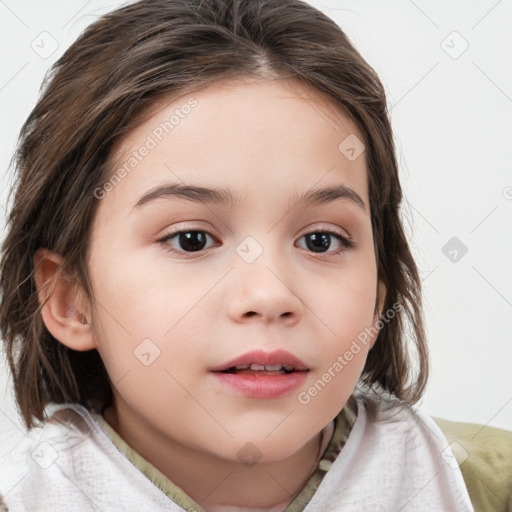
(221, 485)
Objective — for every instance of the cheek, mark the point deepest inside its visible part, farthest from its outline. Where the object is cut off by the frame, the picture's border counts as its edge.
(138, 315)
(346, 308)
(346, 301)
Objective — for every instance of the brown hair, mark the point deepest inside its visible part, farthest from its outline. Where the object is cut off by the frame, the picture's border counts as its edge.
(98, 91)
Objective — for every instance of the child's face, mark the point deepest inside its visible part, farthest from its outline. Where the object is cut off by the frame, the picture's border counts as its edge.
(255, 284)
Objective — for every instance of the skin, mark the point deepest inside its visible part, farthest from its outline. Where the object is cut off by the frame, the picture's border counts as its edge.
(266, 141)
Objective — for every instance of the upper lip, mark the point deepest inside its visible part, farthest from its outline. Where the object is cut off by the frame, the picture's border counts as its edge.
(263, 358)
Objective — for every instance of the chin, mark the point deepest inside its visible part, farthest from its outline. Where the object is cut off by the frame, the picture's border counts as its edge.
(261, 449)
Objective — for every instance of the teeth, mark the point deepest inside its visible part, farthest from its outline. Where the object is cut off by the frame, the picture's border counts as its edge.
(257, 366)
(273, 367)
(262, 367)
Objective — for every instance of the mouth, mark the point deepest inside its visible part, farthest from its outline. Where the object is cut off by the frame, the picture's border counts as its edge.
(260, 369)
(261, 375)
(259, 362)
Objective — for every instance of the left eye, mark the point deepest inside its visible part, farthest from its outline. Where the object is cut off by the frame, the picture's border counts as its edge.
(321, 241)
(189, 241)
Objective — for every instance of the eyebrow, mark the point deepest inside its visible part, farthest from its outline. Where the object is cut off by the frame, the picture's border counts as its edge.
(194, 193)
(328, 195)
(225, 197)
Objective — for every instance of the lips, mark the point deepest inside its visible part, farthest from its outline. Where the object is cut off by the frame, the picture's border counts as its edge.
(258, 361)
(261, 375)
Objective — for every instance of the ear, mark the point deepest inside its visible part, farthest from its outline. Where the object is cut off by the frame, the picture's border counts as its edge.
(64, 312)
(379, 307)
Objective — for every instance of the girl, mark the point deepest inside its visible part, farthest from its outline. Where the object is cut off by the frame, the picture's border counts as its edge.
(206, 283)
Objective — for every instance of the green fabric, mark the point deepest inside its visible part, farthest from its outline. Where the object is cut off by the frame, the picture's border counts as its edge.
(343, 425)
(484, 455)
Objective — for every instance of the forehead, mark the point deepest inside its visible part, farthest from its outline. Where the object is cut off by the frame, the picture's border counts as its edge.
(262, 135)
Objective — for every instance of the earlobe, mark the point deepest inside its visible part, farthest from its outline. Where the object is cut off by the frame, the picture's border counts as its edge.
(63, 313)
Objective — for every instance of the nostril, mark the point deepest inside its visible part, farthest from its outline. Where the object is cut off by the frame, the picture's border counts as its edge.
(253, 313)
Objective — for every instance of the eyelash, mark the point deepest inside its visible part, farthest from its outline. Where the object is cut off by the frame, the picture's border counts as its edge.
(345, 242)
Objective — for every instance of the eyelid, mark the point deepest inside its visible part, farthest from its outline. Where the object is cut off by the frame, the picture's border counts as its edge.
(344, 236)
(322, 228)
(187, 226)
(183, 228)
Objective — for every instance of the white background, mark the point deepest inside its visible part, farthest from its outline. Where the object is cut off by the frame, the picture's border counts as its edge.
(452, 115)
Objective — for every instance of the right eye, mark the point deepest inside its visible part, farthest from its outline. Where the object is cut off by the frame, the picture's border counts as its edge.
(189, 241)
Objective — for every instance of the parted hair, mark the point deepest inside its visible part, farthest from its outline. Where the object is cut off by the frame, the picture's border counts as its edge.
(101, 88)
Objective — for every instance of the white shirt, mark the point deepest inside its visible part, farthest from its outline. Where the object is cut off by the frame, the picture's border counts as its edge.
(394, 460)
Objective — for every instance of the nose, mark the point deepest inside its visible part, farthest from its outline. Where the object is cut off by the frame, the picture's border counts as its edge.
(263, 293)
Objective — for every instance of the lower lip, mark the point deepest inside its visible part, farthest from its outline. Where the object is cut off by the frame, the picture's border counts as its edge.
(262, 386)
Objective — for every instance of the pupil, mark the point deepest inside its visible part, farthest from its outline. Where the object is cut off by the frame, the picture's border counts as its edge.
(318, 241)
(192, 240)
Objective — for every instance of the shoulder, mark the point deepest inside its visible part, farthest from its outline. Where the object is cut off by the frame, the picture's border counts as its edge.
(484, 455)
(395, 458)
(388, 414)
(414, 452)
(29, 465)
(69, 463)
